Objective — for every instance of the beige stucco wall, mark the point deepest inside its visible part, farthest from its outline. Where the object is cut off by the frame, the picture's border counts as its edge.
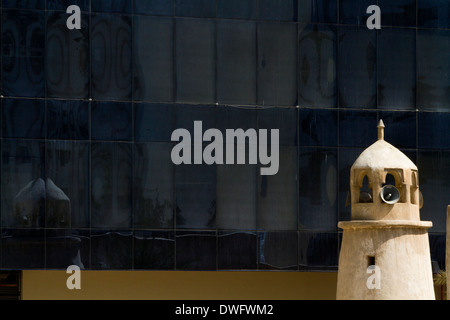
(181, 285)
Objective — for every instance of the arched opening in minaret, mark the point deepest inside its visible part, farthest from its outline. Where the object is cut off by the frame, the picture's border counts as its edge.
(390, 180)
(365, 192)
(414, 186)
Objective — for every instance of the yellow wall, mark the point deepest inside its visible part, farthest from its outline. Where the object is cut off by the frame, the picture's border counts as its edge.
(173, 285)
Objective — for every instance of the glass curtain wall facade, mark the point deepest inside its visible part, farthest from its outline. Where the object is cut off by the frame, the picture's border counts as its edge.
(87, 116)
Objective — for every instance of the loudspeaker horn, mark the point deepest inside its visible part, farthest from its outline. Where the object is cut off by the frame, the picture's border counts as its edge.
(390, 194)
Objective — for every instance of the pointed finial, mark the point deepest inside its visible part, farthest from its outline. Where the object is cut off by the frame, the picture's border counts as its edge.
(380, 130)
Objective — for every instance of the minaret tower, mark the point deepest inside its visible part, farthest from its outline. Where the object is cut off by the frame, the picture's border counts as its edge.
(385, 251)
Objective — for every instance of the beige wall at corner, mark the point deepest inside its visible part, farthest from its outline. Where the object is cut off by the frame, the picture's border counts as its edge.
(174, 285)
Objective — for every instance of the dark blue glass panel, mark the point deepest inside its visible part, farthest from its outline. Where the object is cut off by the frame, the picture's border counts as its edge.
(236, 250)
(111, 57)
(400, 130)
(437, 251)
(153, 188)
(277, 194)
(433, 130)
(154, 7)
(318, 251)
(67, 184)
(111, 185)
(111, 250)
(236, 62)
(321, 11)
(119, 6)
(354, 11)
(23, 118)
(357, 67)
(195, 60)
(433, 63)
(68, 119)
(346, 159)
(196, 251)
(317, 66)
(401, 13)
(269, 254)
(23, 42)
(236, 196)
(153, 122)
(433, 13)
(154, 250)
(187, 114)
(23, 185)
(318, 192)
(23, 249)
(434, 170)
(196, 8)
(67, 57)
(397, 69)
(64, 4)
(67, 247)
(28, 4)
(153, 59)
(357, 128)
(277, 64)
(283, 119)
(111, 121)
(240, 9)
(235, 118)
(284, 10)
(318, 127)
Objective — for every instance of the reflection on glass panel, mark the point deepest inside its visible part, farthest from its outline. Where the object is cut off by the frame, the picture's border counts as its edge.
(28, 4)
(357, 128)
(400, 128)
(196, 250)
(65, 247)
(67, 57)
(68, 119)
(63, 4)
(277, 64)
(236, 251)
(111, 249)
(240, 9)
(269, 254)
(357, 67)
(318, 127)
(397, 68)
(236, 62)
(354, 11)
(434, 170)
(433, 14)
(282, 119)
(317, 11)
(23, 249)
(318, 194)
(153, 190)
(67, 184)
(111, 185)
(111, 121)
(433, 130)
(23, 185)
(196, 8)
(154, 250)
(281, 10)
(119, 6)
(195, 60)
(401, 13)
(433, 63)
(23, 118)
(317, 66)
(236, 197)
(23, 46)
(318, 251)
(111, 57)
(152, 59)
(277, 194)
